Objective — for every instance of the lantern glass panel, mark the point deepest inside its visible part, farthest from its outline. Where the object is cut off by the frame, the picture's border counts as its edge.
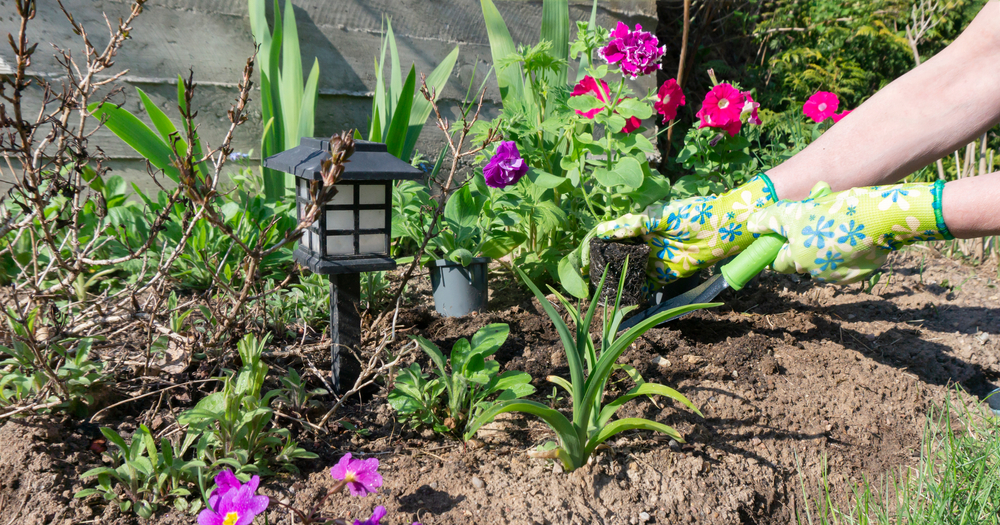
(312, 240)
(371, 243)
(303, 188)
(372, 219)
(340, 245)
(302, 210)
(339, 220)
(371, 194)
(344, 196)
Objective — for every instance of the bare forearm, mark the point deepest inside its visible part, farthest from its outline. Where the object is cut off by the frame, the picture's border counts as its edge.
(970, 206)
(917, 119)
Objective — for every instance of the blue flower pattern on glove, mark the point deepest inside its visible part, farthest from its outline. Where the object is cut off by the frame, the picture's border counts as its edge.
(730, 232)
(702, 213)
(819, 234)
(852, 233)
(830, 262)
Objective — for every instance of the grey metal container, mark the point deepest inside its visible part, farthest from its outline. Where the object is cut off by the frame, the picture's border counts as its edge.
(459, 290)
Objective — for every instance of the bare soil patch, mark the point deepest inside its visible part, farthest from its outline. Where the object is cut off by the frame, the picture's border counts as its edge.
(787, 372)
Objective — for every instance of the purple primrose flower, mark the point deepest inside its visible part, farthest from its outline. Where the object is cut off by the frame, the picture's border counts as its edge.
(361, 475)
(506, 167)
(233, 503)
(638, 51)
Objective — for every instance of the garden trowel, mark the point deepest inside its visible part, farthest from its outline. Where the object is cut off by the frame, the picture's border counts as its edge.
(735, 274)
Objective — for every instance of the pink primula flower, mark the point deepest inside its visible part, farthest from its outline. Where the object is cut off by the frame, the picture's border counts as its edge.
(821, 106)
(361, 475)
(233, 503)
(837, 116)
(722, 108)
(638, 51)
(668, 99)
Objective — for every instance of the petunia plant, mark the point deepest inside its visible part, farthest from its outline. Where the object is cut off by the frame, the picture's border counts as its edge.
(590, 366)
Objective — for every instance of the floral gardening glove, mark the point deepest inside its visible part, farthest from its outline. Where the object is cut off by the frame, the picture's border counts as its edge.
(844, 237)
(692, 233)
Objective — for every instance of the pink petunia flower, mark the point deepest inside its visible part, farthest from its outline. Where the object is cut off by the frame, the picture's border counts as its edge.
(837, 116)
(589, 86)
(236, 505)
(668, 99)
(362, 475)
(821, 106)
(722, 108)
(749, 113)
(638, 51)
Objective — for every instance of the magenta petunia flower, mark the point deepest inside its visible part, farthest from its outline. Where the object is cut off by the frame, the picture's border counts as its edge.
(361, 475)
(631, 125)
(668, 99)
(591, 86)
(837, 116)
(821, 106)
(377, 515)
(237, 505)
(638, 51)
(722, 108)
(504, 169)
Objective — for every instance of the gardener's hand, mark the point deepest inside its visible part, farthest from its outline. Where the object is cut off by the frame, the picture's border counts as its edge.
(693, 233)
(844, 237)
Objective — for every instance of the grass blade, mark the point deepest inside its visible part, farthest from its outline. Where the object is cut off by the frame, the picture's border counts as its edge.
(307, 114)
(137, 135)
(645, 389)
(629, 423)
(290, 77)
(395, 71)
(161, 121)
(568, 437)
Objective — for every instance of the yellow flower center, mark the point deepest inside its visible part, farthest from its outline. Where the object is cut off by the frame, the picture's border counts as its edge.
(350, 477)
(231, 518)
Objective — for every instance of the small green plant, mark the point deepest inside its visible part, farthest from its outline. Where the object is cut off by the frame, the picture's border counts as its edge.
(146, 476)
(374, 289)
(471, 381)
(234, 422)
(295, 394)
(304, 304)
(591, 422)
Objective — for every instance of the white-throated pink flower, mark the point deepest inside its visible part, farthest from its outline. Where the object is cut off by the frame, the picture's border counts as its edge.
(821, 106)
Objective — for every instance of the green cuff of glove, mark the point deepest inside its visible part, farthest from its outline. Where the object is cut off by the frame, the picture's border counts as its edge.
(937, 191)
(770, 186)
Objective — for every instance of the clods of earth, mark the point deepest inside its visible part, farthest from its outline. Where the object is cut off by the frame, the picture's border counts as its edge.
(791, 375)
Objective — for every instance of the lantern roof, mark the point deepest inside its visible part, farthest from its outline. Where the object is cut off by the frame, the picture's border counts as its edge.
(370, 161)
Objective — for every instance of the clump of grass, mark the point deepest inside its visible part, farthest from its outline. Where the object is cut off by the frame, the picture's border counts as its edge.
(956, 481)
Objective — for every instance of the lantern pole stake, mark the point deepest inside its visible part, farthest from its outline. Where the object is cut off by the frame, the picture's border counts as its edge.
(345, 321)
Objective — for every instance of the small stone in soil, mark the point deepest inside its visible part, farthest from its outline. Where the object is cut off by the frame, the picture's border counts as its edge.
(476, 482)
(643, 516)
(674, 445)
(661, 361)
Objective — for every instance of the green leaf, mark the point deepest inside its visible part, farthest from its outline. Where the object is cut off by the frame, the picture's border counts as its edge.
(555, 29)
(161, 122)
(307, 113)
(510, 79)
(500, 243)
(137, 135)
(571, 276)
(633, 107)
(290, 77)
(645, 389)
(421, 109)
(396, 138)
(98, 471)
(460, 353)
(560, 382)
(544, 179)
(630, 172)
(395, 71)
(461, 212)
(567, 434)
(585, 103)
(653, 188)
(584, 59)
(488, 339)
(113, 437)
(461, 256)
(631, 423)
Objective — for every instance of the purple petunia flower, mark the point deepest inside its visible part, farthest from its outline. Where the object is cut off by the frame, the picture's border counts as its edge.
(361, 475)
(506, 167)
(638, 51)
(232, 503)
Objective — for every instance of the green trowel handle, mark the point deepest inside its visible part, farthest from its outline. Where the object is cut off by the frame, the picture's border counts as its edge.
(753, 260)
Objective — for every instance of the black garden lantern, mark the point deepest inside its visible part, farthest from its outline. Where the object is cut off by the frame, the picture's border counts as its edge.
(353, 232)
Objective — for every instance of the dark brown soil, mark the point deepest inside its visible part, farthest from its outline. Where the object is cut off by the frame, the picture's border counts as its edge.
(611, 256)
(788, 373)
